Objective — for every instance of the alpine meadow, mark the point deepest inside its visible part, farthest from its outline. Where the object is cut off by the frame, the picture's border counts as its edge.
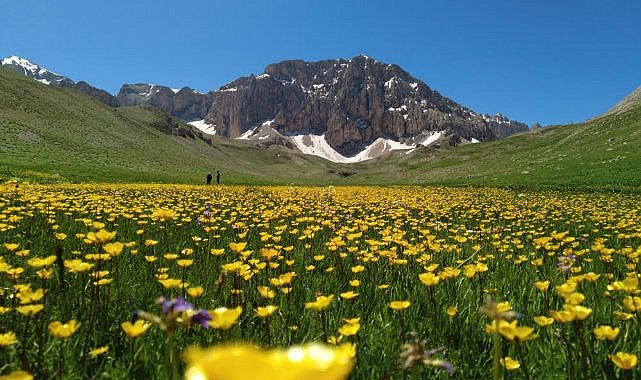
(238, 192)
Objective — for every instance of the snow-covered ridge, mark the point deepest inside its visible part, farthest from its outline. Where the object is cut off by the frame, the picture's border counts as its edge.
(33, 70)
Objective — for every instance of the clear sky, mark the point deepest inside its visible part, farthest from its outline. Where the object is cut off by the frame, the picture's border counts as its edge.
(546, 61)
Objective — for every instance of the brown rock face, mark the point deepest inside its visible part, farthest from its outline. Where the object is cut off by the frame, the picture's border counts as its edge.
(186, 104)
(353, 102)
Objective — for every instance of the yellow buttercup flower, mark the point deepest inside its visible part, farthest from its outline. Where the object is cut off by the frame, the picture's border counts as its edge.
(399, 305)
(452, 311)
(349, 329)
(309, 362)
(624, 360)
(266, 292)
(265, 311)
(61, 330)
(17, 375)
(348, 295)
(632, 303)
(136, 329)
(164, 214)
(512, 332)
(101, 236)
(8, 339)
(622, 315)
(195, 291)
(38, 262)
(184, 263)
(29, 310)
(224, 318)
(98, 351)
(509, 363)
(543, 321)
(150, 242)
(237, 247)
(321, 303)
(606, 332)
(11, 246)
(429, 278)
(113, 249)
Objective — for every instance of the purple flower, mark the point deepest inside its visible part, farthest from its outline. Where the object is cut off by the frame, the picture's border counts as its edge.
(566, 263)
(202, 318)
(177, 305)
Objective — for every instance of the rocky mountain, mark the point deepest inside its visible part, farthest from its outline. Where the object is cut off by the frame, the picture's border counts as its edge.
(630, 101)
(349, 108)
(45, 76)
(352, 103)
(185, 104)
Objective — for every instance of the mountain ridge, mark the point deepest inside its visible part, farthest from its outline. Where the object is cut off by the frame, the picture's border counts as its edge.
(351, 103)
(630, 101)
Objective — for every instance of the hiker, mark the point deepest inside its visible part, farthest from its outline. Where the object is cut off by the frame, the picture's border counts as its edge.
(209, 177)
(218, 177)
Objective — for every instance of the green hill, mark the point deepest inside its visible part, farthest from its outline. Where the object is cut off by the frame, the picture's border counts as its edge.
(48, 133)
(601, 152)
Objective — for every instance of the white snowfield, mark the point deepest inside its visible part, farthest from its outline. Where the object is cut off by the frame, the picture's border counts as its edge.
(209, 129)
(316, 145)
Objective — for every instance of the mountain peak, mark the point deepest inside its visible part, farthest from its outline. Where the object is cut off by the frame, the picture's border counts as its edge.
(350, 102)
(48, 77)
(33, 70)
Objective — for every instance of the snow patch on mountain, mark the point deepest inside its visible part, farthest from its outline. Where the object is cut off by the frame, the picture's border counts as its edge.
(316, 145)
(209, 129)
(34, 71)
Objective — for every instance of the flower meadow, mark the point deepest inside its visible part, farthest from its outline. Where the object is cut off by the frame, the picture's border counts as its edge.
(239, 282)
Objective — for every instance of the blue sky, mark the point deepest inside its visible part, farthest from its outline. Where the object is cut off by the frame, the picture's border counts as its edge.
(551, 62)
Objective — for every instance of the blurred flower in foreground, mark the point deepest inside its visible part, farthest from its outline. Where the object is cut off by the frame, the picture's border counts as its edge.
(17, 375)
(308, 362)
(414, 354)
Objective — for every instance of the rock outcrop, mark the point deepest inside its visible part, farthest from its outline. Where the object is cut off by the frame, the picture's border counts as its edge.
(185, 104)
(352, 102)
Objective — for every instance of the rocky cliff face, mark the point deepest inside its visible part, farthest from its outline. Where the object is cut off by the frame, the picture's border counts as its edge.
(185, 104)
(352, 102)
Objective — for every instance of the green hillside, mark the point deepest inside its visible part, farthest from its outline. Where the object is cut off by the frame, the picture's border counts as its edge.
(601, 152)
(48, 134)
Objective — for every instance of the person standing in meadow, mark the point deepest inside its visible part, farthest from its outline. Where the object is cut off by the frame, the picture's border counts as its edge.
(209, 177)
(218, 177)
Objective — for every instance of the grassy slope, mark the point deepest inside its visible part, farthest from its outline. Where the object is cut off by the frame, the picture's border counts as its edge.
(50, 133)
(601, 152)
(46, 131)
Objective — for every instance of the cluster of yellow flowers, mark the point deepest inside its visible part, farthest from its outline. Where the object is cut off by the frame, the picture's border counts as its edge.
(335, 265)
